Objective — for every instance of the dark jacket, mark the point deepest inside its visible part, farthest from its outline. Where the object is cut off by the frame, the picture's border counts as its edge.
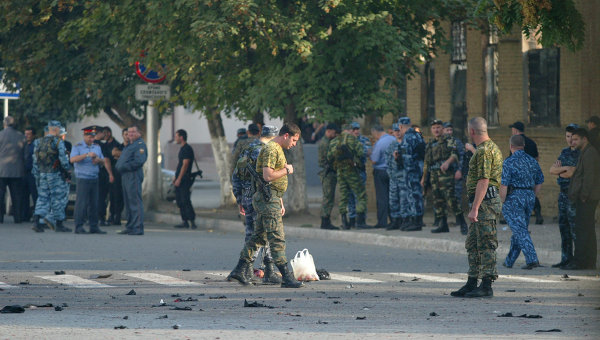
(585, 183)
(12, 143)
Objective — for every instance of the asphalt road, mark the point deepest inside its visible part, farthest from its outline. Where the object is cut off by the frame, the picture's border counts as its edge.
(374, 292)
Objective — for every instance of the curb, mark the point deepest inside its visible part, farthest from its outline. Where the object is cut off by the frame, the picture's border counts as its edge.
(403, 242)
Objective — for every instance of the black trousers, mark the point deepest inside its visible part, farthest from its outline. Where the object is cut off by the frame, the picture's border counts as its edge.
(29, 190)
(184, 201)
(104, 188)
(382, 194)
(586, 248)
(15, 185)
(116, 198)
(86, 203)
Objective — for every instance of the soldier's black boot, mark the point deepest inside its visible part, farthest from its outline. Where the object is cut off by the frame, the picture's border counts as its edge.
(395, 224)
(193, 225)
(443, 228)
(460, 220)
(326, 224)
(404, 223)
(484, 289)
(271, 276)
(420, 221)
(352, 222)
(412, 225)
(240, 273)
(37, 226)
(60, 228)
(288, 279)
(182, 225)
(345, 223)
(470, 286)
(361, 222)
(436, 222)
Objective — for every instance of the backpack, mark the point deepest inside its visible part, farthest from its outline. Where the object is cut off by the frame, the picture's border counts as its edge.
(343, 154)
(245, 160)
(47, 153)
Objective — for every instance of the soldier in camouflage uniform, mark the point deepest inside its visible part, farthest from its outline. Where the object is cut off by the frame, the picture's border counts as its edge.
(397, 175)
(49, 159)
(244, 188)
(483, 181)
(272, 166)
(440, 154)
(252, 135)
(328, 177)
(522, 179)
(459, 176)
(564, 167)
(345, 152)
(411, 154)
(366, 142)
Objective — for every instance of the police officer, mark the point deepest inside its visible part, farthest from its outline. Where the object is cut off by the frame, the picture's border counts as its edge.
(66, 177)
(411, 153)
(522, 179)
(440, 154)
(564, 167)
(272, 166)
(130, 165)
(86, 158)
(49, 160)
(244, 188)
(328, 176)
(366, 143)
(345, 151)
(396, 173)
(483, 181)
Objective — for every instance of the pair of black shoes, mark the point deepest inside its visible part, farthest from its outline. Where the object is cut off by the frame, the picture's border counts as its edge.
(131, 232)
(471, 290)
(326, 224)
(186, 225)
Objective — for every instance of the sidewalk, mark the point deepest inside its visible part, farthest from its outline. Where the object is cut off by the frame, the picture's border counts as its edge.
(205, 198)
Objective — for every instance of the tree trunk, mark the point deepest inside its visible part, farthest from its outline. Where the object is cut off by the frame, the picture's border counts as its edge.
(295, 199)
(222, 154)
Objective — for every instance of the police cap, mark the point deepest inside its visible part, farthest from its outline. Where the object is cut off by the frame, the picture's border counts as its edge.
(436, 122)
(355, 125)
(395, 127)
(447, 124)
(269, 131)
(91, 130)
(404, 120)
(54, 123)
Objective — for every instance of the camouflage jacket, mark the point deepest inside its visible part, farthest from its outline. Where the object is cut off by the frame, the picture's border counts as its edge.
(322, 160)
(485, 163)
(354, 151)
(243, 186)
(438, 150)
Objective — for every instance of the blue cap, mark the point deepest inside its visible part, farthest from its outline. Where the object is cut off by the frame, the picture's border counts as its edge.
(241, 130)
(54, 123)
(395, 127)
(404, 120)
(269, 131)
(63, 131)
(447, 124)
(354, 125)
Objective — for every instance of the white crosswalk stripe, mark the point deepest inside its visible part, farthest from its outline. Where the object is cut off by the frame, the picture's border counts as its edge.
(352, 279)
(525, 279)
(6, 286)
(433, 278)
(74, 281)
(162, 279)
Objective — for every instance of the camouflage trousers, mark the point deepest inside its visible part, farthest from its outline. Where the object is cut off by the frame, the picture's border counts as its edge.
(412, 195)
(352, 198)
(268, 230)
(482, 241)
(442, 185)
(250, 219)
(398, 197)
(351, 184)
(517, 211)
(566, 225)
(328, 181)
(53, 195)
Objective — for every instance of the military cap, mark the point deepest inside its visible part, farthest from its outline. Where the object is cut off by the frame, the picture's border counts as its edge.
(331, 126)
(355, 125)
(395, 127)
(571, 127)
(253, 129)
(447, 124)
(91, 130)
(518, 125)
(594, 119)
(54, 123)
(63, 131)
(269, 131)
(404, 120)
(436, 122)
(241, 130)
(346, 127)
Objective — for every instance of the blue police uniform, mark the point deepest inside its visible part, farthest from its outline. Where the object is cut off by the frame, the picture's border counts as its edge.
(49, 207)
(412, 149)
(130, 165)
(397, 175)
(366, 143)
(521, 173)
(566, 208)
(87, 189)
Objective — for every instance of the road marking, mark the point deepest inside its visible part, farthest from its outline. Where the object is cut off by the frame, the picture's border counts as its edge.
(525, 279)
(5, 285)
(74, 281)
(354, 279)
(219, 274)
(162, 279)
(586, 278)
(433, 278)
(53, 261)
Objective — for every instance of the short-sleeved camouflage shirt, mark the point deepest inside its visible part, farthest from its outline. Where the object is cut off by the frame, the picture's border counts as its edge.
(485, 163)
(271, 156)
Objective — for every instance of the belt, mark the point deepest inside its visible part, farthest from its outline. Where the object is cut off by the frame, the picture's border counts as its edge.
(492, 192)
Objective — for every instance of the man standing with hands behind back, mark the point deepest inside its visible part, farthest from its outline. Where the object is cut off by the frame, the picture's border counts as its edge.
(183, 181)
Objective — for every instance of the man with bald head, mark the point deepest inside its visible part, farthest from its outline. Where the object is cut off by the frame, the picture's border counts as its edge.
(483, 182)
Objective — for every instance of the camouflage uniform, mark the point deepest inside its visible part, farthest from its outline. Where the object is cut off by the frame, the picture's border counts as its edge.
(348, 175)
(438, 150)
(49, 153)
(412, 159)
(458, 183)
(328, 177)
(482, 241)
(366, 143)
(395, 170)
(240, 146)
(566, 208)
(268, 226)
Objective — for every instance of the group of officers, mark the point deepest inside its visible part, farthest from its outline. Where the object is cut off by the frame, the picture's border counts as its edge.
(104, 171)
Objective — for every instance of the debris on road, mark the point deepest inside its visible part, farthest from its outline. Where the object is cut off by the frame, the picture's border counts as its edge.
(120, 327)
(548, 330)
(361, 318)
(58, 308)
(100, 276)
(24, 282)
(182, 308)
(59, 272)
(433, 314)
(186, 270)
(126, 317)
(176, 326)
(189, 299)
(13, 309)
(323, 274)
(217, 297)
(528, 316)
(510, 290)
(322, 322)
(131, 292)
(256, 304)
(163, 317)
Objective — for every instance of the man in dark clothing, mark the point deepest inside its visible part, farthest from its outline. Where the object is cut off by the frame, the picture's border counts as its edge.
(105, 177)
(593, 124)
(518, 128)
(29, 188)
(115, 191)
(583, 190)
(183, 181)
(12, 143)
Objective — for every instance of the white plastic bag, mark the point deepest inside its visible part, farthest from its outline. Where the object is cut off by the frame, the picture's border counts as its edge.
(304, 266)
